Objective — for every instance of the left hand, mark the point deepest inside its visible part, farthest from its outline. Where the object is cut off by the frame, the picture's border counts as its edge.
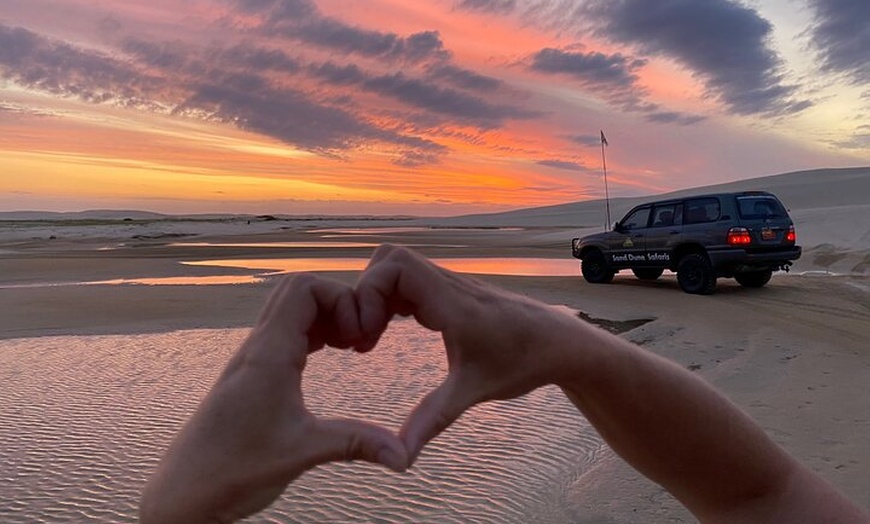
(252, 434)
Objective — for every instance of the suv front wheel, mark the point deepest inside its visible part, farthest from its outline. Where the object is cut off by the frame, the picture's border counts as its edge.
(595, 268)
(695, 274)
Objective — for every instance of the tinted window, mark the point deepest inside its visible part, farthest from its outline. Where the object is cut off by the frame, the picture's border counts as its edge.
(636, 220)
(757, 207)
(664, 216)
(701, 210)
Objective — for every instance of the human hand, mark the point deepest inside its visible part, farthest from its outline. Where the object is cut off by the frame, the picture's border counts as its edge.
(252, 434)
(499, 345)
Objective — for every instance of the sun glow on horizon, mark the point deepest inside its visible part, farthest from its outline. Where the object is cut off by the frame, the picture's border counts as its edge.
(439, 106)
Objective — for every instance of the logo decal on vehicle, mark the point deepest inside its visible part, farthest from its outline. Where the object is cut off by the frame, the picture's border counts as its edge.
(642, 257)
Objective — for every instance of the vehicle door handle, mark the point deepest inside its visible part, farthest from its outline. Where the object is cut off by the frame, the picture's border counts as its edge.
(674, 232)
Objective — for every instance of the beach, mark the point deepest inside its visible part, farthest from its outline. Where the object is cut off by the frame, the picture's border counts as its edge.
(793, 354)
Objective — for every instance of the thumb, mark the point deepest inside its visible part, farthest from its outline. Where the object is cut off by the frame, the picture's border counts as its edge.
(432, 415)
(348, 440)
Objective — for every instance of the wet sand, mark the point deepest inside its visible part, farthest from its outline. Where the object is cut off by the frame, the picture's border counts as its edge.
(793, 354)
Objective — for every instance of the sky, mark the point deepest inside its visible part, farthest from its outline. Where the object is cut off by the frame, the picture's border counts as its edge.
(435, 107)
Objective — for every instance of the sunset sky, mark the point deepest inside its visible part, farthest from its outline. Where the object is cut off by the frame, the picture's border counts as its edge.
(435, 107)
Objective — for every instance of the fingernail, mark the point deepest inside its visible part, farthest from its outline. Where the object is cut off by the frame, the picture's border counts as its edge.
(395, 461)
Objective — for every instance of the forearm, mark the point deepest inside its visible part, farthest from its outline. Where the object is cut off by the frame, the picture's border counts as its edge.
(669, 424)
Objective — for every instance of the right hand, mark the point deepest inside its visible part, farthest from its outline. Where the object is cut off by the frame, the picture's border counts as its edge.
(499, 345)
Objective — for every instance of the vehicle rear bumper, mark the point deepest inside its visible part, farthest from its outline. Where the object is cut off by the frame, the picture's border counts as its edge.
(739, 259)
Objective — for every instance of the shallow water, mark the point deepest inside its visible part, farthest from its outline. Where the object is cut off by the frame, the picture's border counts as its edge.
(83, 420)
(482, 266)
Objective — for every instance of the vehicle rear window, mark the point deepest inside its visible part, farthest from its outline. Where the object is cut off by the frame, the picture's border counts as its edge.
(759, 207)
(701, 210)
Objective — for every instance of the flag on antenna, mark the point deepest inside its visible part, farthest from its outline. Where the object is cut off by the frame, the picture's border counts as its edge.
(603, 139)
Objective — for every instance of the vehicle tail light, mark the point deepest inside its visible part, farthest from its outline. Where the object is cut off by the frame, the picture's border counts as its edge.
(739, 236)
(790, 236)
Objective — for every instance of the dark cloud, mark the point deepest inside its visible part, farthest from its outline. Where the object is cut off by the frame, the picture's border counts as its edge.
(257, 58)
(463, 78)
(563, 164)
(841, 34)
(612, 77)
(288, 115)
(160, 55)
(424, 95)
(301, 20)
(228, 84)
(37, 62)
(278, 10)
(458, 105)
(338, 36)
(723, 41)
(177, 57)
(674, 117)
(338, 75)
(488, 6)
(591, 68)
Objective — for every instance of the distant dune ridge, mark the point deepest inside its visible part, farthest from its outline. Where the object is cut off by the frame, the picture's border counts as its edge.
(830, 207)
(801, 190)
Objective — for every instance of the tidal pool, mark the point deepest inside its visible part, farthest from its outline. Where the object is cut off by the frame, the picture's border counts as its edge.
(84, 419)
(554, 267)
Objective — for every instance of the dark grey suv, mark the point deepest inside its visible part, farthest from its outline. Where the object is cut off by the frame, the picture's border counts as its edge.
(746, 236)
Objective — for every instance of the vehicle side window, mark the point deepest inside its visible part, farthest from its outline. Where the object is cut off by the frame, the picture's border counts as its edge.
(636, 220)
(664, 216)
(701, 210)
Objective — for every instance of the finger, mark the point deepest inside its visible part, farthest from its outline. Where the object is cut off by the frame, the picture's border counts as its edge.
(347, 440)
(397, 280)
(304, 312)
(440, 408)
(337, 321)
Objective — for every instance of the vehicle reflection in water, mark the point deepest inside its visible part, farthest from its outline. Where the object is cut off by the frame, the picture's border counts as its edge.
(553, 267)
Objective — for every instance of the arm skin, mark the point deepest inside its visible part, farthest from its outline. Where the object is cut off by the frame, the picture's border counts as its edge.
(663, 420)
(251, 436)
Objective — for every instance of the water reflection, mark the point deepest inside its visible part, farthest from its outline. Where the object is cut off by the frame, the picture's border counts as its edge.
(270, 267)
(209, 280)
(554, 267)
(405, 229)
(305, 244)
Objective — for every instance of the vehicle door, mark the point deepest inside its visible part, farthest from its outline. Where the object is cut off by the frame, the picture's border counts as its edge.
(663, 233)
(765, 218)
(628, 246)
(700, 217)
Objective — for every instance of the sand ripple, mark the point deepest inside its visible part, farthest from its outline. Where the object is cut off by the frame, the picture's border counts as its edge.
(83, 420)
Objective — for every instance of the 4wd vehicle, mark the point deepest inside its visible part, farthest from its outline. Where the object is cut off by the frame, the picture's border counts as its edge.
(746, 236)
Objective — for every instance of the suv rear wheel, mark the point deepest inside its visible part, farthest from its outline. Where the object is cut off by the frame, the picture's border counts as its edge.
(695, 274)
(595, 269)
(754, 278)
(647, 273)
